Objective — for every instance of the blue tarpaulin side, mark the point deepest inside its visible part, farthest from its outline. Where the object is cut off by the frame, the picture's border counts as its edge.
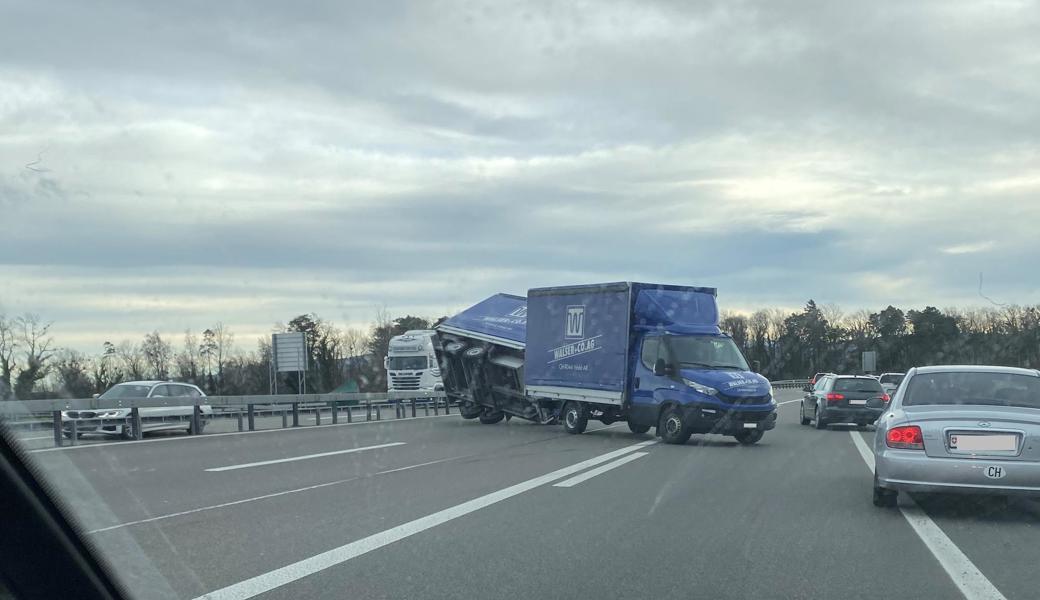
(502, 316)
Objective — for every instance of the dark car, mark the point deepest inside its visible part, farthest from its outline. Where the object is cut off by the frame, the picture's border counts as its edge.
(842, 399)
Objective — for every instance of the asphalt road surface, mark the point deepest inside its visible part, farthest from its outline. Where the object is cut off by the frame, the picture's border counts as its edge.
(441, 507)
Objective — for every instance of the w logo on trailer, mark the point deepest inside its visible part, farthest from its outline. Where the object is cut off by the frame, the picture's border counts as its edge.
(575, 322)
(520, 313)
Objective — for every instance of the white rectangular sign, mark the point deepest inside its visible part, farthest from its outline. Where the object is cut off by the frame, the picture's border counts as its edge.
(289, 351)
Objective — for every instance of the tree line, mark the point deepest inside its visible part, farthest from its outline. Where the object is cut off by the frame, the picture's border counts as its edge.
(786, 345)
(33, 366)
(797, 345)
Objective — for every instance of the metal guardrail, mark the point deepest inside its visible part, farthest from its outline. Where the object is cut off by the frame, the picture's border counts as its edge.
(789, 384)
(370, 404)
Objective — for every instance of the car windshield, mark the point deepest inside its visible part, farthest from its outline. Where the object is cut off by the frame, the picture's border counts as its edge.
(857, 384)
(973, 388)
(397, 363)
(892, 378)
(127, 391)
(700, 351)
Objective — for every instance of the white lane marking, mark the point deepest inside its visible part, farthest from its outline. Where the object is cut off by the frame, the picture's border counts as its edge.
(425, 464)
(39, 437)
(222, 505)
(216, 435)
(788, 402)
(308, 566)
(573, 481)
(965, 575)
(277, 461)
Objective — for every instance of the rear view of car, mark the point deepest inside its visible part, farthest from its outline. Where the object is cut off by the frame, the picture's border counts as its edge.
(843, 399)
(891, 381)
(962, 430)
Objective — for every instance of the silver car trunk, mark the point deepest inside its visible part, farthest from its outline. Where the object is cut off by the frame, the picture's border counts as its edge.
(972, 431)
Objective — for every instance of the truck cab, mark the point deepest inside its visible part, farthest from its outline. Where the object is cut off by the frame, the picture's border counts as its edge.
(410, 363)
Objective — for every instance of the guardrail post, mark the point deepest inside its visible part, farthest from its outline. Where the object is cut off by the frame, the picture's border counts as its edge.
(251, 416)
(57, 425)
(335, 413)
(350, 414)
(238, 419)
(426, 407)
(135, 424)
(368, 413)
(196, 412)
(74, 434)
(436, 406)
(317, 416)
(285, 418)
(413, 408)
(296, 414)
(447, 406)
(379, 416)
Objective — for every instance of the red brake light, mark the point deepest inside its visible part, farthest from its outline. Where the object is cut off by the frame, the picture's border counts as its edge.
(907, 437)
(832, 397)
(885, 397)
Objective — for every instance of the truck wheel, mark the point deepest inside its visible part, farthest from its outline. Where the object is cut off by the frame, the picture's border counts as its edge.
(749, 437)
(490, 417)
(638, 428)
(468, 410)
(672, 427)
(575, 417)
(884, 498)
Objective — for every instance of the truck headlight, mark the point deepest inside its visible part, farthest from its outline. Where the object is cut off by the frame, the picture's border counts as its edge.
(707, 390)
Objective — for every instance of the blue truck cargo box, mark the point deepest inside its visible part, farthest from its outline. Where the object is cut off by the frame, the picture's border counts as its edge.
(578, 338)
(501, 319)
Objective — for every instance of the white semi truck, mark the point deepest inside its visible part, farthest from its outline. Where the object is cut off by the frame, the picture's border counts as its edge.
(411, 364)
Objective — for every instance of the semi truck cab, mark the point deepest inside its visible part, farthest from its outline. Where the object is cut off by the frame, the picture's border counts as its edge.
(410, 363)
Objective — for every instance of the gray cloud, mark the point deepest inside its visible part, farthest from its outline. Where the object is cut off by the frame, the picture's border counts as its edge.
(250, 161)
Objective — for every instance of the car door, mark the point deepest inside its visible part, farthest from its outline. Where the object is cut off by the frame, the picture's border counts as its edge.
(644, 407)
(163, 413)
(819, 392)
(808, 403)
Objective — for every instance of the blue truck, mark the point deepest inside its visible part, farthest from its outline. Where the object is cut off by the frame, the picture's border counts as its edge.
(648, 354)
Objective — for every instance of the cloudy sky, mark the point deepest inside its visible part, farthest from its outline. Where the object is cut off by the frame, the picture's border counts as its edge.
(169, 165)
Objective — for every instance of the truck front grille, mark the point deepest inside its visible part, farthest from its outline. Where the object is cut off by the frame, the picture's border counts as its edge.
(405, 382)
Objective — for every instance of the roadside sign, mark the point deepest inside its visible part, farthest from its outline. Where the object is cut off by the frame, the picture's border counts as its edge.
(289, 351)
(870, 361)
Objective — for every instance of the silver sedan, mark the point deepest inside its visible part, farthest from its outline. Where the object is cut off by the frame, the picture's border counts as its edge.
(960, 429)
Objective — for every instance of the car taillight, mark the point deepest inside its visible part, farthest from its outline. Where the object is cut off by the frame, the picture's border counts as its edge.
(885, 397)
(907, 437)
(835, 397)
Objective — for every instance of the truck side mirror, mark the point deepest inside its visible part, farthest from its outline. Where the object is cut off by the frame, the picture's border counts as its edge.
(386, 362)
(660, 367)
(756, 366)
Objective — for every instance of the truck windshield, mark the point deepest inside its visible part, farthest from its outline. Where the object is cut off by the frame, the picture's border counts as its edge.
(399, 363)
(706, 352)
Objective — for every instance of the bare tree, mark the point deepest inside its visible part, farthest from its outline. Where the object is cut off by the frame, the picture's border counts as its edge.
(157, 353)
(133, 360)
(37, 345)
(105, 369)
(217, 346)
(188, 358)
(8, 346)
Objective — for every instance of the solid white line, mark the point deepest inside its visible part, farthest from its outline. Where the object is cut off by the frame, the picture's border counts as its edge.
(788, 402)
(965, 575)
(573, 481)
(308, 566)
(222, 505)
(276, 461)
(206, 436)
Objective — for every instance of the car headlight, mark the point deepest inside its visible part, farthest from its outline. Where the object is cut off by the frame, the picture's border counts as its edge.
(110, 414)
(707, 390)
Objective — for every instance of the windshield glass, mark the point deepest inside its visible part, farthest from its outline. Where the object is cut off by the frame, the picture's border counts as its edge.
(893, 378)
(850, 384)
(127, 391)
(990, 389)
(702, 351)
(398, 363)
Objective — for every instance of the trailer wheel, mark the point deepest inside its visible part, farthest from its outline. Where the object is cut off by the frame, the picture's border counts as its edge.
(469, 410)
(672, 427)
(638, 428)
(575, 417)
(490, 417)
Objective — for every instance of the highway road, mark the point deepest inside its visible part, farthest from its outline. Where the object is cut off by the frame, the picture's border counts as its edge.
(440, 507)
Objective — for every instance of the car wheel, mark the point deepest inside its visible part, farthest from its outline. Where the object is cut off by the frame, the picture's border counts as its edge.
(801, 415)
(884, 498)
(638, 428)
(575, 417)
(128, 432)
(749, 437)
(820, 422)
(672, 427)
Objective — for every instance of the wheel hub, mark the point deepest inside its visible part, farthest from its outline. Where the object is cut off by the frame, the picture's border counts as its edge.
(673, 425)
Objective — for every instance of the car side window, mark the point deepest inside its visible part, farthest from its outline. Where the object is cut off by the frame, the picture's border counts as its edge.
(651, 346)
(821, 385)
(179, 390)
(161, 391)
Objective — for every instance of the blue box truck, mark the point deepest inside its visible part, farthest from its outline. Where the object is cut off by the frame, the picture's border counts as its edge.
(648, 354)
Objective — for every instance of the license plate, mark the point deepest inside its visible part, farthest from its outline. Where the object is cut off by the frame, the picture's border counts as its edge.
(857, 401)
(984, 443)
(750, 425)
